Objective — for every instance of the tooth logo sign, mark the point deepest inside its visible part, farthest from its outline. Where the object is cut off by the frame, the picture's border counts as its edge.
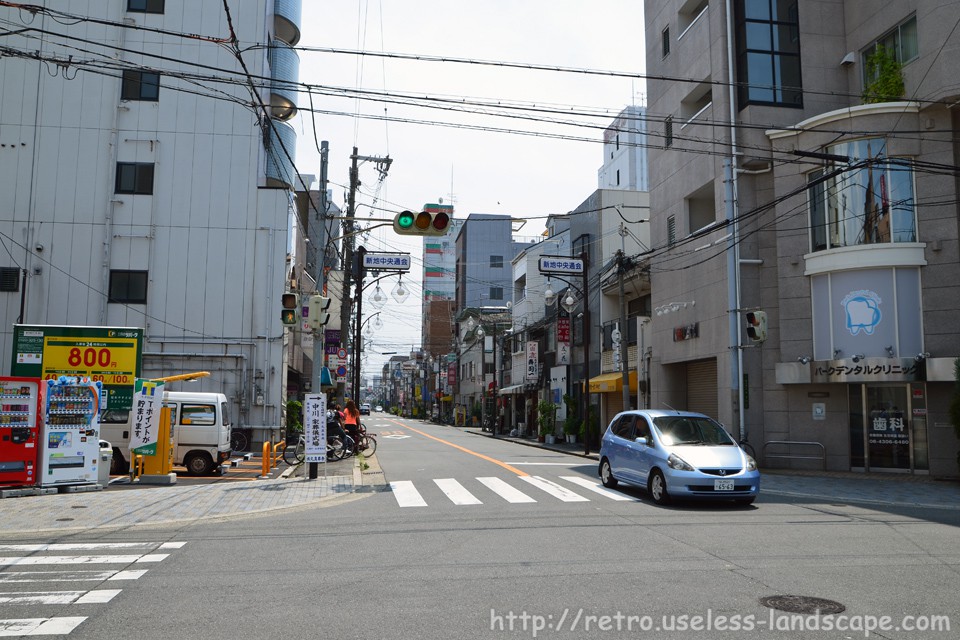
(863, 311)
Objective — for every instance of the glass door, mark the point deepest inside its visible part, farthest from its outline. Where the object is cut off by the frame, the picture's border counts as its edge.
(888, 432)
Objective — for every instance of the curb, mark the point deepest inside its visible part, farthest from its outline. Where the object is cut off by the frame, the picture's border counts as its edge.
(535, 445)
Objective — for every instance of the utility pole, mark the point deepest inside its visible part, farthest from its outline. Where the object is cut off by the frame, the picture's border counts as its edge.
(623, 329)
(383, 165)
(320, 258)
(587, 329)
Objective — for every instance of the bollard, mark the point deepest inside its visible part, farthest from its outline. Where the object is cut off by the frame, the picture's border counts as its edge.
(278, 453)
(266, 459)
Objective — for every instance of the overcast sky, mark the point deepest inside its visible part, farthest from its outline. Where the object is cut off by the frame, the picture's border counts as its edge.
(479, 171)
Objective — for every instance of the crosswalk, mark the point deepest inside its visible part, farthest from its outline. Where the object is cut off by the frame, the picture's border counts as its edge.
(26, 569)
(489, 489)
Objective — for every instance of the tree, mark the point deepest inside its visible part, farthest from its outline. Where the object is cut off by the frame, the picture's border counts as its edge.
(885, 77)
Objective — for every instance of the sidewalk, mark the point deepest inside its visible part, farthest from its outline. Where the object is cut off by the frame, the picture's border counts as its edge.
(892, 489)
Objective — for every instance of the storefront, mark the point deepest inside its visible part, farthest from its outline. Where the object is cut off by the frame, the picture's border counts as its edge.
(609, 388)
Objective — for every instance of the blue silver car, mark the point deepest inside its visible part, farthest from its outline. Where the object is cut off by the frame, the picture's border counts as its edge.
(677, 454)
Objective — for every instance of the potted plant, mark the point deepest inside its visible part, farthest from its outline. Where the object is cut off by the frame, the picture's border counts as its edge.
(547, 419)
(571, 424)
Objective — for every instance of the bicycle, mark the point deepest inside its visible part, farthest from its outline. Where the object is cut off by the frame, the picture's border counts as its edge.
(365, 442)
(294, 454)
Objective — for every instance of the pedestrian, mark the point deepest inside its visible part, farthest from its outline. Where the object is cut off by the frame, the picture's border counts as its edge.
(351, 420)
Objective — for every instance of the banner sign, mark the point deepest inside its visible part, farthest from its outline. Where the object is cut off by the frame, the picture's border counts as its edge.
(147, 400)
(315, 427)
(533, 361)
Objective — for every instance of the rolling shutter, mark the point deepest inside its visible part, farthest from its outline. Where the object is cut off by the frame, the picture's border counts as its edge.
(702, 387)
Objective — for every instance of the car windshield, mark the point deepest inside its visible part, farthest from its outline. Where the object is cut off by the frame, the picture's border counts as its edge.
(691, 430)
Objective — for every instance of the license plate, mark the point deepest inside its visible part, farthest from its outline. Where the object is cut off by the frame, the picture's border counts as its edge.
(723, 485)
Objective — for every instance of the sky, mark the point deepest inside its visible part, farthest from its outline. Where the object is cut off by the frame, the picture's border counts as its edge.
(478, 171)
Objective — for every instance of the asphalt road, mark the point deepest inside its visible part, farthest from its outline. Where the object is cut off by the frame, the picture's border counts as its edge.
(476, 560)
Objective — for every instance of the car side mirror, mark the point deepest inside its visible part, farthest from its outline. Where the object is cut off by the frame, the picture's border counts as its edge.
(641, 440)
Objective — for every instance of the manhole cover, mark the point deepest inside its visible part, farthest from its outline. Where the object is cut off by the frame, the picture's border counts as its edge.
(803, 604)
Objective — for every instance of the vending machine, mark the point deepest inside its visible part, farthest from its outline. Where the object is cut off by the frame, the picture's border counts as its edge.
(19, 431)
(71, 431)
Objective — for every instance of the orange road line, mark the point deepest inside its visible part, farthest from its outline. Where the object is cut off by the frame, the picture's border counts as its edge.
(473, 453)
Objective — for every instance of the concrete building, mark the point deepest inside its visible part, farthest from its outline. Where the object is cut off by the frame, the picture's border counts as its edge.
(135, 194)
(829, 205)
(625, 152)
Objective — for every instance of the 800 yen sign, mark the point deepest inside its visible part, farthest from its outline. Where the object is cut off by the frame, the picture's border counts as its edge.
(109, 360)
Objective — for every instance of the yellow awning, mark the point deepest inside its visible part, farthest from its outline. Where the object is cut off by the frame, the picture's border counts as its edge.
(611, 382)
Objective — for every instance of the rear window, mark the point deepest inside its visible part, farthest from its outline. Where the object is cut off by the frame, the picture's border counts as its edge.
(114, 416)
(198, 414)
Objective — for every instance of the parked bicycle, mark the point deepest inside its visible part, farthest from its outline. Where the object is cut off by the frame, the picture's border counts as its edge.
(294, 454)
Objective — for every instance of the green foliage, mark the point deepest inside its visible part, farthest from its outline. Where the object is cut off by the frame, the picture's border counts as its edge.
(547, 417)
(294, 416)
(955, 402)
(476, 411)
(887, 73)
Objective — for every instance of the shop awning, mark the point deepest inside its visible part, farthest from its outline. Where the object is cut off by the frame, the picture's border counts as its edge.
(611, 382)
(509, 391)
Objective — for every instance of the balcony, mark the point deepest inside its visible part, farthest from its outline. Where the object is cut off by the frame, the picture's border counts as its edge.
(286, 20)
(284, 73)
(281, 149)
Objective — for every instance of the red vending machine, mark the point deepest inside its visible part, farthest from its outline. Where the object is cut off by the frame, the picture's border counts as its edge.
(19, 431)
(71, 431)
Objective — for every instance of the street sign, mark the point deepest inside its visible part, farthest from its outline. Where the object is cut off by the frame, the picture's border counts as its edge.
(561, 265)
(386, 261)
(341, 371)
(342, 354)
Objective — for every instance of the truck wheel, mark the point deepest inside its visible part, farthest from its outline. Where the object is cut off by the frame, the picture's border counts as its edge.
(118, 466)
(198, 464)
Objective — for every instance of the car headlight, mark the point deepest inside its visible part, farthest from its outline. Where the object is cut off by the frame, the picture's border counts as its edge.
(751, 463)
(678, 463)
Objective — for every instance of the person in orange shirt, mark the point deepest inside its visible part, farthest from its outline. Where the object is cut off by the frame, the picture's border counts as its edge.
(351, 420)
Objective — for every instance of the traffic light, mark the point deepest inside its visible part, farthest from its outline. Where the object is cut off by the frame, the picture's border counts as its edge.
(424, 223)
(317, 315)
(289, 308)
(757, 325)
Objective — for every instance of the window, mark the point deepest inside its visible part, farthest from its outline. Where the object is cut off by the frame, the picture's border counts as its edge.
(867, 205)
(145, 6)
(9, 279)
(668, 132)
(623, 428)
(665, 42)
(198, 414)
(128, 287)
(768, 53)
(902, 41)
(496, 293)
(140, 85)
(671, 230)
(496, 262)
(135, 177)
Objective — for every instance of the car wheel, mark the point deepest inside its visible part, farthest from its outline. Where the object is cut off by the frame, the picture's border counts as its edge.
(606, 474)
(198, 464)
(744, 502)
(657, 487)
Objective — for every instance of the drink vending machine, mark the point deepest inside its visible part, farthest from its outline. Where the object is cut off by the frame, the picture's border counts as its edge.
(19, 431)
(71, 431)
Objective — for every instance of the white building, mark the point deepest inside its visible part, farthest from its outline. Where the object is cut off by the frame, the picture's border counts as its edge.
(143, 186)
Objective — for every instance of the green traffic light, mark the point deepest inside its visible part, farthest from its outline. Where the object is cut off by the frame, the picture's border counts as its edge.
(405, 220)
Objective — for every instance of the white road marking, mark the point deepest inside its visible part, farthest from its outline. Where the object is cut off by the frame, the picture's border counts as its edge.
(554, 489)
(596, 487)
(128, 575)
(90, 546)
(395, 437)
(40, 560)
(154, 557)
(39, 626)
(505, 491)
(457, 493)
(406, 494)
(98, 596)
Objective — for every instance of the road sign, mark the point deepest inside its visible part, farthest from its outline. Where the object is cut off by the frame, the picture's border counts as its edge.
(386, 261)
(561, 265)
(341, 371)
(342, 354)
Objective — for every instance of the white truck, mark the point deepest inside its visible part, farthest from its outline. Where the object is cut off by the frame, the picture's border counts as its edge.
(201, 432)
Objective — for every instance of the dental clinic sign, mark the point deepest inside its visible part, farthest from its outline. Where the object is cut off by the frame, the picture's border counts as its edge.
(862, 310)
